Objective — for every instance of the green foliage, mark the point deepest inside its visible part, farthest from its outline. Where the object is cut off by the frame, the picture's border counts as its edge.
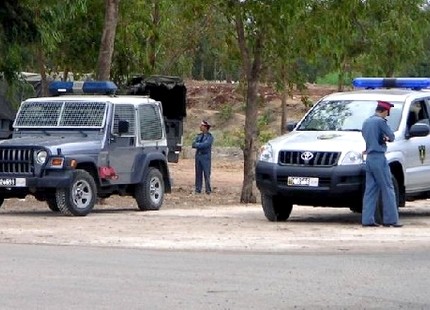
(265, 118)
(265, 133)
(306, 101)
(226, 112)
(233, 138)
(331, 78)
(17, 23)
(197, 39)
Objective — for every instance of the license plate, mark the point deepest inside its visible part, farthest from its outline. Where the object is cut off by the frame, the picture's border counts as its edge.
(12, 182)
(302, 181)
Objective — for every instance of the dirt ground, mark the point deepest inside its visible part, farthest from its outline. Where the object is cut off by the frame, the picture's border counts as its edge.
(215, 222)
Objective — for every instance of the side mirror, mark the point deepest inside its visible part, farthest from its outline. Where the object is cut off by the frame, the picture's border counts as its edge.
(290, 126)
(123, 127)
(419, 130)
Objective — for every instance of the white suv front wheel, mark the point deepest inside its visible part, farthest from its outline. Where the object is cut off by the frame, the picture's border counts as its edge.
(276, 208)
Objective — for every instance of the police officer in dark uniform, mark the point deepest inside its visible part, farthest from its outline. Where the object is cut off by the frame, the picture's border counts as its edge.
(376, 133)
(203, 145)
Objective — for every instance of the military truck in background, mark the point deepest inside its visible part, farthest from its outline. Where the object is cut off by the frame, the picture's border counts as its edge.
(172, 93)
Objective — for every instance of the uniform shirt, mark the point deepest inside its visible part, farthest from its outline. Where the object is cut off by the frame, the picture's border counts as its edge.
(203, 143)
(375, 128)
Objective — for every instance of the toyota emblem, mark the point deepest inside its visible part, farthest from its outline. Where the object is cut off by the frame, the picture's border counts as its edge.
(307, 156)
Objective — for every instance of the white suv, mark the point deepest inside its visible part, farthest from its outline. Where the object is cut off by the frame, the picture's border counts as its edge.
(321, 163)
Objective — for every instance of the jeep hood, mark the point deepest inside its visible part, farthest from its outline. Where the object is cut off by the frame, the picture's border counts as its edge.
(327, 141)
(67, 144)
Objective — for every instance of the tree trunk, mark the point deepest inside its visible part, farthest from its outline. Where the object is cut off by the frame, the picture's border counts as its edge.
(340, 78)
(108, 40)
(41, 63)
(154, 37)
(284, 96)
(251, 64)
(250, 149)
(202, 70)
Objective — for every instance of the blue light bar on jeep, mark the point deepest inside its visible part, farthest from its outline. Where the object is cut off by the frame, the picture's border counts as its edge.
(83, 87)
(413, 83)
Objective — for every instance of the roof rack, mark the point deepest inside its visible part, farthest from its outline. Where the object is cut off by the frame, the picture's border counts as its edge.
(82, 87)
(401, 82)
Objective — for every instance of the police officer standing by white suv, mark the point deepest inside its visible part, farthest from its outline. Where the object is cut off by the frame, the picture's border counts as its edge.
(376, 133)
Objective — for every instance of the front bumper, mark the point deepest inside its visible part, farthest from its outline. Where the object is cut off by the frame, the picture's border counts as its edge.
(338, 186)
(52, 180)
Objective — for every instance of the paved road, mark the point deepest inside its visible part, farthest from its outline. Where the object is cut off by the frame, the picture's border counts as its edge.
(70, 277)
(225, 257)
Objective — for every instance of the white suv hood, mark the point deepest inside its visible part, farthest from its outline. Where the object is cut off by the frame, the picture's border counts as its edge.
(323, 141)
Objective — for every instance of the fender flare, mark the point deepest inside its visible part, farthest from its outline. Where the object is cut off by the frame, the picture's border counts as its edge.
(156, 160)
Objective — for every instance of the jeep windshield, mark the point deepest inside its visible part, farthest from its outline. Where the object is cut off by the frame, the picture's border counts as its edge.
(61, 114)
(345, 115)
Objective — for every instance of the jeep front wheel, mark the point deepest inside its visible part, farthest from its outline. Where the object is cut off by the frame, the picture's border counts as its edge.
(149, 194)
(78, 199)
(51, 200)
(276, 208)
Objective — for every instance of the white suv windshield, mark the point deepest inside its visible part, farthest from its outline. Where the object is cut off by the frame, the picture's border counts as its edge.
(346, 115)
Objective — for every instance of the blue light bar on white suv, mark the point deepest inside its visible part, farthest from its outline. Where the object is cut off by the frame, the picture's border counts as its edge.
(83, 87)
(412, 83)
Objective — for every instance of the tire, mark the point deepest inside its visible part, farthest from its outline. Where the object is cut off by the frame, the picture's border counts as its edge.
(379, 206)
(1, 201)
(275, 208)
(356, 209)
(149, 194)
(51, 200)
(79, 199)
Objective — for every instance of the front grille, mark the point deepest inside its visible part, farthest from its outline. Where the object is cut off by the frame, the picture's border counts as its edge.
(319, 159)
(16, 161)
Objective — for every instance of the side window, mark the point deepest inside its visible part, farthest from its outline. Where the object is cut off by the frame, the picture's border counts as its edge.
(418, 112)
(124, 113)
(150, 125)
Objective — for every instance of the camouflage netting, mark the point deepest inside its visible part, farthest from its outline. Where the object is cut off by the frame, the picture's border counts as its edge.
(169, 90)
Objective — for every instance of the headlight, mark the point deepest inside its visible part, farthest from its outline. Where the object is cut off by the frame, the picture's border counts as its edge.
(266, 153)
(352, 158)
(41, 157)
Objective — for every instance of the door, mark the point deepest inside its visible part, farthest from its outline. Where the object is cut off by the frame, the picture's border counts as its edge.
(122, 147)
(417, 149)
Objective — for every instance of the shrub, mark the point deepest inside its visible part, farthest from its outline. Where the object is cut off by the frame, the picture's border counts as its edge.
(226, 112)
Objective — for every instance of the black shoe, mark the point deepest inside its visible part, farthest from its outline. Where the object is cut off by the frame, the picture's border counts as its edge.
(371, 225)
(393, 225)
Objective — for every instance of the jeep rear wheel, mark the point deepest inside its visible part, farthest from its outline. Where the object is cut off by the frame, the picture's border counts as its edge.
(276, 208)
(149, 194)
(80, 198)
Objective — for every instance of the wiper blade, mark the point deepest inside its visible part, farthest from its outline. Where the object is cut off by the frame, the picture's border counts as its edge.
(351, 129)
(309, 129)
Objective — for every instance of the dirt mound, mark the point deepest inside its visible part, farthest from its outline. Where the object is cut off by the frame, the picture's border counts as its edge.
(223, 105)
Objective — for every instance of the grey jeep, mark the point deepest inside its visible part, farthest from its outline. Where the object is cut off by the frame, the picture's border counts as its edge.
(69, 149)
